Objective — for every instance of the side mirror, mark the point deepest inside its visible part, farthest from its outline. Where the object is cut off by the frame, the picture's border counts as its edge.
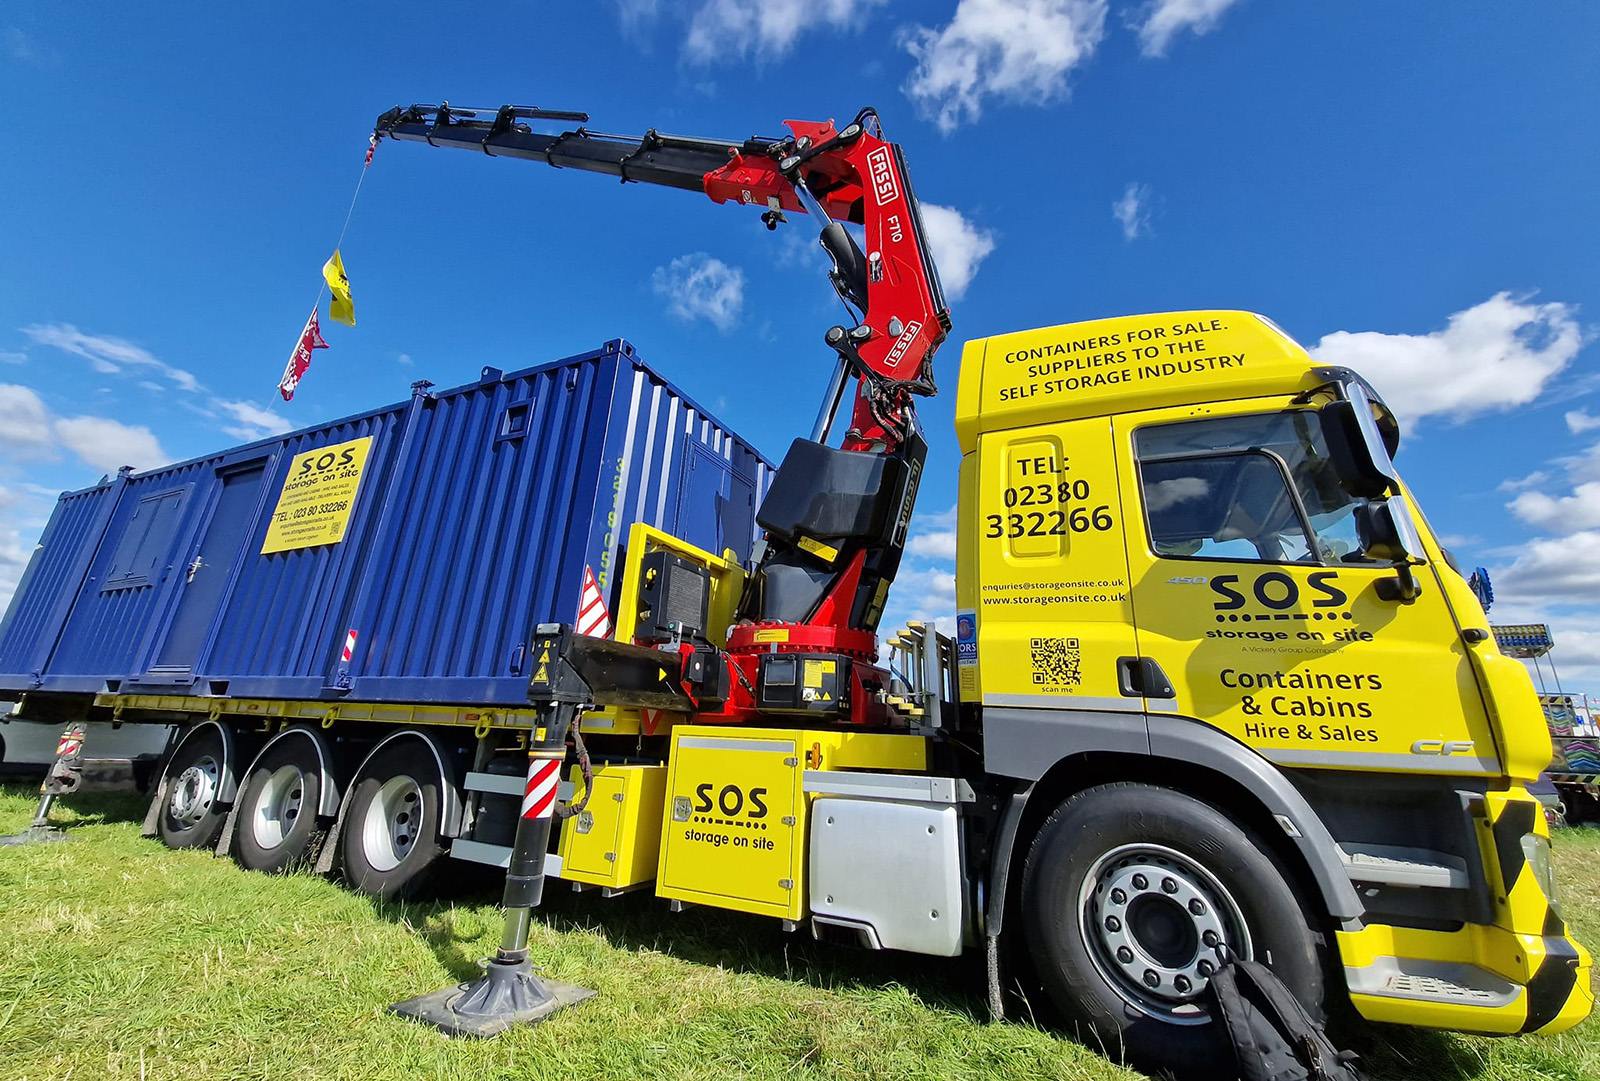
(1386, 531)
(1357, 448)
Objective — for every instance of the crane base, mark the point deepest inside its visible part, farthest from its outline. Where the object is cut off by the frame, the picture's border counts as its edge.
(505, 995)
(36, 835)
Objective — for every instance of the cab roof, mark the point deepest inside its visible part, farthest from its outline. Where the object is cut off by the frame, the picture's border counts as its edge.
(1126, 364)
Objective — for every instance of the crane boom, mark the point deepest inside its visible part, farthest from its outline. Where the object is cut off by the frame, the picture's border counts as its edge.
(849, 175)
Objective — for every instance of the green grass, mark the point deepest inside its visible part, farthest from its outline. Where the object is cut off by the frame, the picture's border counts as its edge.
(121, 959)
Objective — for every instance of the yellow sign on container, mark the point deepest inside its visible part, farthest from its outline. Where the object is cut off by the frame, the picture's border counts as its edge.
(318, 494)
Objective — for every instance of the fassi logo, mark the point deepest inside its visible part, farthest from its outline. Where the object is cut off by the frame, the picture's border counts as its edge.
(902, 343)
(880, 171)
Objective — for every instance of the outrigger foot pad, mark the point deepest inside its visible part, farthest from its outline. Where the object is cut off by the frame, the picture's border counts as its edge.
(36, 835)
(505, 995)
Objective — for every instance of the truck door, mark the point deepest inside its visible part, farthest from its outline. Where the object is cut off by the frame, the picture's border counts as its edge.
(1052, 610)
(1251, 592)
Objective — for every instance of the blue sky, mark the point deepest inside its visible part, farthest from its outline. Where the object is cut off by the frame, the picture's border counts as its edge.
(1406, 188)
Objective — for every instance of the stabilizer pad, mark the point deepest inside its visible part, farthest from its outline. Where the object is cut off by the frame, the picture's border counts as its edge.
(504, 996)
(36, 835)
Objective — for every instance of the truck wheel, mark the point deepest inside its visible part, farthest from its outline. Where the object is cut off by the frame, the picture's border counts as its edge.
(277, 820)
(190, 815)
(390, 841)
(1132, 896)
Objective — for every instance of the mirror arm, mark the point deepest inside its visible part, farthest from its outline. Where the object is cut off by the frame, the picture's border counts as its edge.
(1403, 587)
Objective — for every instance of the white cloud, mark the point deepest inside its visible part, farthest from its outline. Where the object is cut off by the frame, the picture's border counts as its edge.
(1582, 467)
(936, 544)
(13, 358)
(25, 49)
(1132, 211)
(253, 422)
(1563, 514)
(1493, 356)
(405, 359)
(1016, 50)
(107, 354)
(958, 247)
(1162, 20)
(108, 444)
(14, 552)
(1578, 420)
(698, 286)
(731, 29)
(24, 421)
(1552, 570)
(922, 593)
(1517, 484)
(636, 16)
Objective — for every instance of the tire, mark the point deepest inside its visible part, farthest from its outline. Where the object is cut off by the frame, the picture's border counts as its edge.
(1126, 883)
(191, 815)
(276, 825)
(390, 839)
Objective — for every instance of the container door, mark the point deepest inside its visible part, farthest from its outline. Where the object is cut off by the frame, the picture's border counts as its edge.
(1251, 593)
(207, 574)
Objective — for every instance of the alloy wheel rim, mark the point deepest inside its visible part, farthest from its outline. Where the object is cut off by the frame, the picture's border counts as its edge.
(278, 807)
(194, 791)
(389, 828)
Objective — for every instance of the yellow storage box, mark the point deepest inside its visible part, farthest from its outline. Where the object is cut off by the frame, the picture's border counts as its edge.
(616, 839)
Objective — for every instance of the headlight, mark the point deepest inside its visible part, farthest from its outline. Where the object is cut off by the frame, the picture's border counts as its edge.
(1536, 851)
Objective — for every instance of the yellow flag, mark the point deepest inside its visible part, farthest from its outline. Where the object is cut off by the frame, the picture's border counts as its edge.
(340, 309)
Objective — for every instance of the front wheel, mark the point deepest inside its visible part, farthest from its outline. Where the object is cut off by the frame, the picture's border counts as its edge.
(1133, 896)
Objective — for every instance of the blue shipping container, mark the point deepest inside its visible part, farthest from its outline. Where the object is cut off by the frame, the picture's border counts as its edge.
(400, 555)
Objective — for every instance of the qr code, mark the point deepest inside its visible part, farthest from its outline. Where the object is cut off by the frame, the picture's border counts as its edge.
(1055, 661)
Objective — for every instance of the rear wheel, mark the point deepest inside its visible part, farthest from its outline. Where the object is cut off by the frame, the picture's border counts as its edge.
(390, 840)
(277, 821)
(191, 815)
(1133, 896)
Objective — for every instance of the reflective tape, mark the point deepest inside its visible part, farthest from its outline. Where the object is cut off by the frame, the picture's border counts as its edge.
(539, 795)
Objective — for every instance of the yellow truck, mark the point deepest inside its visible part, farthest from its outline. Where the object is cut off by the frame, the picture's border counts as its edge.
(1215, 689)
(1241, 690)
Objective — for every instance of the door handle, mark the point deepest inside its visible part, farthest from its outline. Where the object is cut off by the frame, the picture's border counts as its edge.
(1141, 677)
(194, 568)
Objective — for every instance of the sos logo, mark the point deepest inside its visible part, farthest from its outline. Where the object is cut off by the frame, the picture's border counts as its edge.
(1277, 591)
(730, 801)
(326, 460)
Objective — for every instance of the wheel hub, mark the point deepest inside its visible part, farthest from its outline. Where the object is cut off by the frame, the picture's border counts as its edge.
(194, 791)
(278, 806)
(389, 829)
(1158, 925)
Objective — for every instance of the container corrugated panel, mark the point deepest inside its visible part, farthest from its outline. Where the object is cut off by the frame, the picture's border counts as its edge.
(49, 584)
(478, 511)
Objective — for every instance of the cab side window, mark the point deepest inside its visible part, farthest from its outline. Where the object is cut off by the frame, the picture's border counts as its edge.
(1259, 487)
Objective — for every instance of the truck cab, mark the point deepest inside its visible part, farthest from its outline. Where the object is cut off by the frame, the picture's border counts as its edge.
(1250, 700)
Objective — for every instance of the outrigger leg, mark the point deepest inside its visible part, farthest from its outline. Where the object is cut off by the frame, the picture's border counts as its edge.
(509, 993)
(64, 778)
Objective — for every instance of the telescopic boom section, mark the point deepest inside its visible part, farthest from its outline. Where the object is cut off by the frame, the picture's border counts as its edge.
(848, 175)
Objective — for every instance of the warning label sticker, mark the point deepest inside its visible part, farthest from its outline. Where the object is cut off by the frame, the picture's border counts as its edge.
(318, 494)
